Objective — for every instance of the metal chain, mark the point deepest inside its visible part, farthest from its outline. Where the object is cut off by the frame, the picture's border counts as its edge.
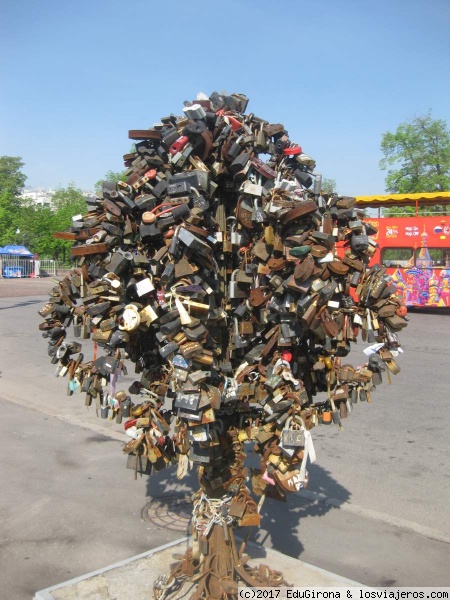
(208, 512)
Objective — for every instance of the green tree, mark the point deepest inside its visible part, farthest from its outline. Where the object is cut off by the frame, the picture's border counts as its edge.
(328, 185)
(67, 203)
(11, 177)
(36, 226)
(417, 158)
(12, 181)
(38, 223)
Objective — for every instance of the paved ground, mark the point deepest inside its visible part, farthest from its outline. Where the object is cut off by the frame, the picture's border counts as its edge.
(134, 580)
(380, 487)
(15, 288)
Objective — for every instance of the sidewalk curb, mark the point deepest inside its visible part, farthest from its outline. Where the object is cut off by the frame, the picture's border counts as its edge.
(46, 594)
(320, 575)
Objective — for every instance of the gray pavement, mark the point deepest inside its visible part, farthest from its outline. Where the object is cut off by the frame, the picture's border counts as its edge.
(68, 505)
(380, 487)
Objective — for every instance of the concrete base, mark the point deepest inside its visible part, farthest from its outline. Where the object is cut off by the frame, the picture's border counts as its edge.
(133, 578)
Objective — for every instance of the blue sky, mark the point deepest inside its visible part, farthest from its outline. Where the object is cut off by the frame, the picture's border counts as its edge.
(76, 76)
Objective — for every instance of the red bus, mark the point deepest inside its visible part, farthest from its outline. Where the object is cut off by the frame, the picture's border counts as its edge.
(415, 249)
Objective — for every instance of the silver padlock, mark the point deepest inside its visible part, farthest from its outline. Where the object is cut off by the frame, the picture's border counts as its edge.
(252, 189)
(317, 184)
(104, 409)
(234, 291)
(258, 214)
(77, 326)
(195, 111)
(98, 237)
(292, 437)
(236, 237)
(230, 390)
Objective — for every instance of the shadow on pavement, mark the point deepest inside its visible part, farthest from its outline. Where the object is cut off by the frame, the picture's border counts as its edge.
(20, 304)
(169, 508)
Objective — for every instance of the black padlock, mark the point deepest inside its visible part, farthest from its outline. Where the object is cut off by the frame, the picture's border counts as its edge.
(194, 132)
(347, 301)
(254, 354)
(179, 188)
(172, 327)
(119, 262)
(234, 149)
(169, 135)
(160, 189)
(304, 178)
(240, 311)
(118, 338)
(126, 407)
(239, 163)
(356, 276)
(55, 333)
(106, 365)
(180, 212)
(124, 199)
(168, 349)
(145, 202)
(96, 271)
(200, 203)
(150, 232)
(86, 384)
(359, 243)
(195, 333)
(167, 274)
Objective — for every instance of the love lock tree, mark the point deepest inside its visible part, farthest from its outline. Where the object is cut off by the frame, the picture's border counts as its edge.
(220, 276)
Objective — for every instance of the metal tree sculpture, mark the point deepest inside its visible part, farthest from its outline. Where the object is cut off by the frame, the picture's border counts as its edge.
(220, 276)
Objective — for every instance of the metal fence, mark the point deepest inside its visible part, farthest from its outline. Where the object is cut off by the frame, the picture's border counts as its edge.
(19, 266)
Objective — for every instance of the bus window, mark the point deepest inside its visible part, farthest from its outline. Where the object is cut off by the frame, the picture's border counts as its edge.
(433, 258)
(397, 257)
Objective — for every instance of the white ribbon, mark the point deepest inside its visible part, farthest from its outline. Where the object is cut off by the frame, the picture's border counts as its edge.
(310, 452)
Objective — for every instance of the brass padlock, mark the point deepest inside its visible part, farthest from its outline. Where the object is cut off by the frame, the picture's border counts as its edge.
(246, 328)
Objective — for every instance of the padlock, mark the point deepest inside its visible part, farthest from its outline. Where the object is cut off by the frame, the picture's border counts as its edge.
(236, 237)
(239, 341)
(118, 262)
(104, 411)
(246, 328)
(227, 245)
(259, 296)
(230, 390)
(126, 407)
(243, 277)
(258, 214)
(276, 281)
(234, 291)
(77, 324)
(261, 142)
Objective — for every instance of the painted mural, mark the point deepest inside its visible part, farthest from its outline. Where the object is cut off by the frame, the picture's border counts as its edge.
(421, 284)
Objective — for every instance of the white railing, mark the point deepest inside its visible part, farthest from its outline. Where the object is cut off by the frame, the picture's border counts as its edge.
(47, 268)
(19, 266)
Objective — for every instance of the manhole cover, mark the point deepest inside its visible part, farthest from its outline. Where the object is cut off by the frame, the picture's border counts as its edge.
(172, 512)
